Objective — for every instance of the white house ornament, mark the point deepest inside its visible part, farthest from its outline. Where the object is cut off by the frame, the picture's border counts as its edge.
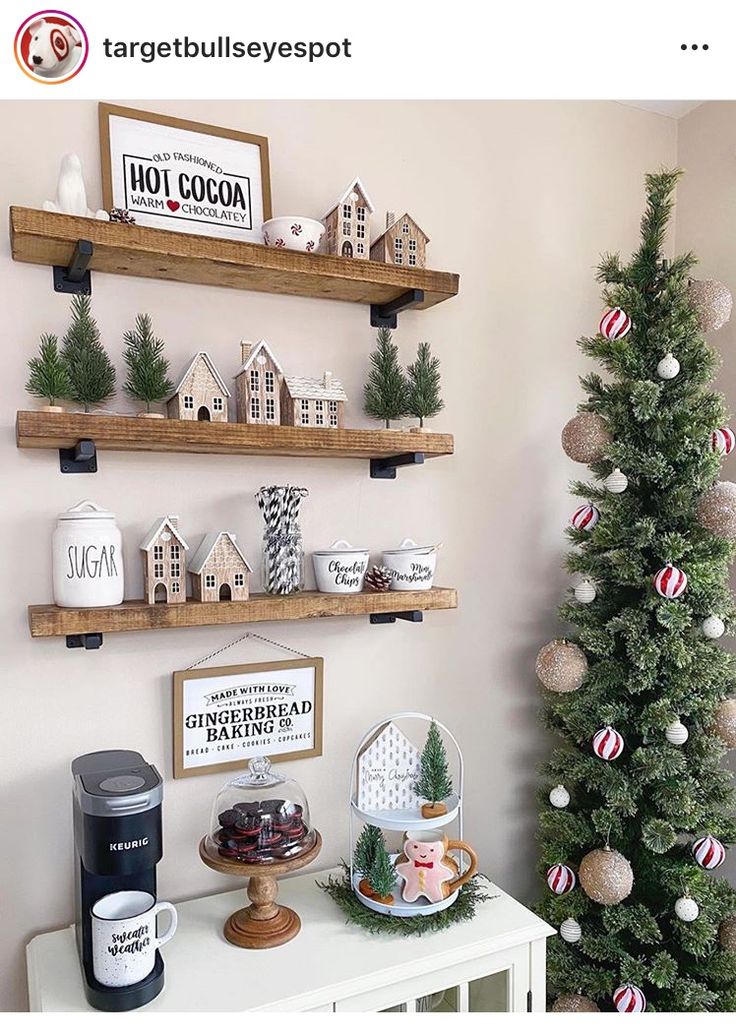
(616, 482)
(559, 797)
(585, 591)
(585, 438)
(724, 723)
(717, 510)
(670, 582)
(388, 767)
(570, 931)
(606, 876)
(561, 879)
(629, 998)
(713, 626)
(585, 517)
(614, 324)
(608, 744)
(723, 441)
(668, 367)
(71, 195)
(713, 303)
(709, 852)
(676, 733)
(686, 909)
(561, 666)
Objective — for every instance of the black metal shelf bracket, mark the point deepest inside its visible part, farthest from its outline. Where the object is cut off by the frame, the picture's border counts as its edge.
(413, 616)
(76, 278)
(384, 469)
(385, 315)
(82, 458)
(90, 640)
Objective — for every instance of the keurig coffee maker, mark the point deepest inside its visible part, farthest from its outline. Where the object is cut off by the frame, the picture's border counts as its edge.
(117, 836)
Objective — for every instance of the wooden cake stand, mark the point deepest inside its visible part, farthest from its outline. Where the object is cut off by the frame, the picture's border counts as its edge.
(264, 923)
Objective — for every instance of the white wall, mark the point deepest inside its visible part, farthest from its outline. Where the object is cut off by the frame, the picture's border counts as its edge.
(520, 199)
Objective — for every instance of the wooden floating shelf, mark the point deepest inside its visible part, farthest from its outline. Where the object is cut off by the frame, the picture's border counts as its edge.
(46, 621)
(48, 238)
(131, 434)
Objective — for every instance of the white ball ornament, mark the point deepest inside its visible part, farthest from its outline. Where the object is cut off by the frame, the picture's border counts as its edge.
(686, 909)
(561, 879)
(570, 931)
(559, 797)
(585, 517)
(616, 482)
(709, 852)
(585, 591)
(670, 582)
(629, 998)
(668, 367)
(676, 733)
(608, 744)
(614, 324)
(723, 441)
(713, 627)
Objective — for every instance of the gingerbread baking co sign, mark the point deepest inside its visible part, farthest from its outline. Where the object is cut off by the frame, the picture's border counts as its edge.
(185, 176)
(223, 716)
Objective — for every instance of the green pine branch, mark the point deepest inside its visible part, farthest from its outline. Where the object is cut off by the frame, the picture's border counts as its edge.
(91, 374)
(147, 366)
(49, 377)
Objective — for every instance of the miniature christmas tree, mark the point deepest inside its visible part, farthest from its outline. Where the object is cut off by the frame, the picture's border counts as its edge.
(370, 842)
(386, 389)
(147, 365)
(423, 393)
(382, 876)
(434, 783)
(49, 377)
(642, 672)
(91, 374)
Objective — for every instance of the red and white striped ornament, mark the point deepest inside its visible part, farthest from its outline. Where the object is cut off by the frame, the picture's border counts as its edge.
(608, 744)
(629, 998)
(709, 852)
(614, 324)
(585, 517)
(561, 879)
(670, 582)
(723, 441)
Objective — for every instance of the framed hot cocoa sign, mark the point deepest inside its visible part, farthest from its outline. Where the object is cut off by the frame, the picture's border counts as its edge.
(186, 176)
(223, 716)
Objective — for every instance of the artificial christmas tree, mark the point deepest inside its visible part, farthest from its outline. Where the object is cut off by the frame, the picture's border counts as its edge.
(49, 377)
(368, 845)
(648, 663)
(91, 374)
(147, 365)
(423, 385)
(434, 783)
(385, 392)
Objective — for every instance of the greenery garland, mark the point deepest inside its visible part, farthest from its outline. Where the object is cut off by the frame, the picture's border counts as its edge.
(469, 896)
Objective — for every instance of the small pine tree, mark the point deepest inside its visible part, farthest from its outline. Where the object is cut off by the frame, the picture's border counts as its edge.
(147, 365)
(369, 842)
(91, 374)
(385, 392)
(382, 875)
(49, 377)
(424, 399)
(434, 782)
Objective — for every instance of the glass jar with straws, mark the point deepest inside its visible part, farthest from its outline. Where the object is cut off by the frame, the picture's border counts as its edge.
(283, 555)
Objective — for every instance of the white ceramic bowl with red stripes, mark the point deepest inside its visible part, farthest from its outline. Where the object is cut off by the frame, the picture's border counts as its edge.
(294, 232)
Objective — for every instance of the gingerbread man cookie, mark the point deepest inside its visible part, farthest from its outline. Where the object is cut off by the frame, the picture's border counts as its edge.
(425, 871)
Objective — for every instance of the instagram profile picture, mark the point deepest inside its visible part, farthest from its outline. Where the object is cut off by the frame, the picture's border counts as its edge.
(51, 47)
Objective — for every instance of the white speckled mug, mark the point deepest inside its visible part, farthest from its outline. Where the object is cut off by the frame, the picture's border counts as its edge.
(124, 938)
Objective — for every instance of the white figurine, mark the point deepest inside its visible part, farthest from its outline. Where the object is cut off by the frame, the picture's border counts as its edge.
(71, 197)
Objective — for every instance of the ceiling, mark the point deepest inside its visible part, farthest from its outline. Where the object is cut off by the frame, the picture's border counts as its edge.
(670, 108)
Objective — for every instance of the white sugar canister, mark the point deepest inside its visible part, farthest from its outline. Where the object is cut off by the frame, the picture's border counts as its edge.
(87, 557)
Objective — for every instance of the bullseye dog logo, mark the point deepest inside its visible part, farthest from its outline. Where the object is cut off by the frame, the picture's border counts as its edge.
(187, 187)
(51, 47)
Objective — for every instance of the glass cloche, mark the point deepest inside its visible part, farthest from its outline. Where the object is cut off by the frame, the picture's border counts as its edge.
(261, 817)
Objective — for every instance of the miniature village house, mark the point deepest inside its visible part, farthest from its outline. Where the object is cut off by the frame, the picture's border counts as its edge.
(348, 223)
(403, 242)
(201, 394)
(219, 570)
(309, 402)
(388, 767)
(164, 562)
(258, 385)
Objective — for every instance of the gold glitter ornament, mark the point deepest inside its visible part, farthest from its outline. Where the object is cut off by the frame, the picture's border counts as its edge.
(561, 666)
(713, 303)
(724, 724)
(574, 1002)
(585, 437)
(717, 510)
(606, 876)
(727, 933)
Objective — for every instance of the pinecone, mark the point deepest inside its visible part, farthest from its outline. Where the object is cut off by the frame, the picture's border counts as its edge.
(122, 215)
(378, 579)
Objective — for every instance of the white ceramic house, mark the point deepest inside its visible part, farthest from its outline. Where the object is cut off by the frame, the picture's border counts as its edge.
(387, 769)
(219, 570)
(165, 562)
(313, 402)
(348, 223)
(201, 394)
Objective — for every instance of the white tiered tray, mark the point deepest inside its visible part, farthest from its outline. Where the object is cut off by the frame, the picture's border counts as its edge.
(402, 908)
(408, 820)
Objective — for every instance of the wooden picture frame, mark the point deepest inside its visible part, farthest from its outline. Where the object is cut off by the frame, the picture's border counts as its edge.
(189, 177)
(238, 684)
